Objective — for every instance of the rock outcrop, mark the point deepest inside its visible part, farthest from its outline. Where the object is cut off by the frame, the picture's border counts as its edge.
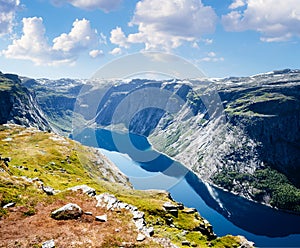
(18, 105)
(84, 189)
(49, 244)
(67, 212)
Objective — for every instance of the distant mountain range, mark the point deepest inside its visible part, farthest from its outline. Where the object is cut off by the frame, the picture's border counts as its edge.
(239, 133)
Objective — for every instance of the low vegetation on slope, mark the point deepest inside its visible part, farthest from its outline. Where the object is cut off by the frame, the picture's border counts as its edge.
(33, 161)
(266, 185)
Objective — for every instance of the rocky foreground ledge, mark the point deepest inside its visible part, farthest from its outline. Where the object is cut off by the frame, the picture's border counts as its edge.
(105, 212)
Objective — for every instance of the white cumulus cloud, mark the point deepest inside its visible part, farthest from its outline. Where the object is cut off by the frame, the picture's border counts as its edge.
(118, 37)
(80, 37)
(276, 20)
(116, 51)
(212, 57)
(105, 5)
(33, 44)
(96, 53)
(237, 4)
(8, 9)
(165, 25)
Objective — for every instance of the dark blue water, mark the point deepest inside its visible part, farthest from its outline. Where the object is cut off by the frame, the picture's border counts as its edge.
(229, 214)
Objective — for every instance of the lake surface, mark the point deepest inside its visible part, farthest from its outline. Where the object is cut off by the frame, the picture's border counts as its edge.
(229, 214)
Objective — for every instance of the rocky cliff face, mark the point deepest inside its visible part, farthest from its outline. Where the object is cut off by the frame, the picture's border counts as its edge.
(239, 133)
(18, 105)
(56, 98)
(259, 131)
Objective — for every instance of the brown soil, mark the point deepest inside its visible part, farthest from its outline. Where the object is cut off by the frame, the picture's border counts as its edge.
(18, 230)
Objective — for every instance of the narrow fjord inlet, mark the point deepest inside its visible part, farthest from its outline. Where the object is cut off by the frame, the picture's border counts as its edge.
(226, 150)
(228, 213)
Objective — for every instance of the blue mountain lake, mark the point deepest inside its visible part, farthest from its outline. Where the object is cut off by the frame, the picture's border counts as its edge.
(228, 213)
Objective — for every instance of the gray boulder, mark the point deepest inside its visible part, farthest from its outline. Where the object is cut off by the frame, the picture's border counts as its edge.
(67, 212)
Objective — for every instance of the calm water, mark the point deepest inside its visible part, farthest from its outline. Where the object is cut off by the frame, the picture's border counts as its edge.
(229, 214)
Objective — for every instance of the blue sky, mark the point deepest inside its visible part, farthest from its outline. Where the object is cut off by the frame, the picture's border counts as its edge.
(74, 38)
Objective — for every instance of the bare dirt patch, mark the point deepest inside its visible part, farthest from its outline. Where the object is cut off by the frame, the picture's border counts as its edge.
(18, 230)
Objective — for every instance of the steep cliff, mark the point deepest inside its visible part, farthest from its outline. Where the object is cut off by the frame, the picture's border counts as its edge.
(56, 98)
(18, 105)
(252, 148)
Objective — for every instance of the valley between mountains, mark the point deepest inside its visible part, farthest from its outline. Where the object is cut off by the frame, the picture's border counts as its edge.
(240, 134)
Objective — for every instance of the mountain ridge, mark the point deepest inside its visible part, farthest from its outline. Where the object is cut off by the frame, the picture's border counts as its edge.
(232, 144)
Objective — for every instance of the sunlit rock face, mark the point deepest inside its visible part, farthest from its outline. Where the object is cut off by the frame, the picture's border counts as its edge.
(225, 130)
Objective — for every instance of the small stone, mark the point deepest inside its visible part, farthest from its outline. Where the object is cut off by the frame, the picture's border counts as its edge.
(88, 213)
(169, 221)
(107, 200)
(149, 231)
(117, 230)
(85, 189)
(186, 243)
(171, 208)
(9, 205)
(140, 223)
(189, 210)
(180, 206)
(48, 244)
(131, 208)
(138, 215)
(174, 212)
(48, 190)
(169, 205)
(36, 179)
(101, 218)
(122, 205)
(140, 237)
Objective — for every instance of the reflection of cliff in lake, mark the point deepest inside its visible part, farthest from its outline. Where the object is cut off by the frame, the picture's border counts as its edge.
(249, 216)
(252, 217)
